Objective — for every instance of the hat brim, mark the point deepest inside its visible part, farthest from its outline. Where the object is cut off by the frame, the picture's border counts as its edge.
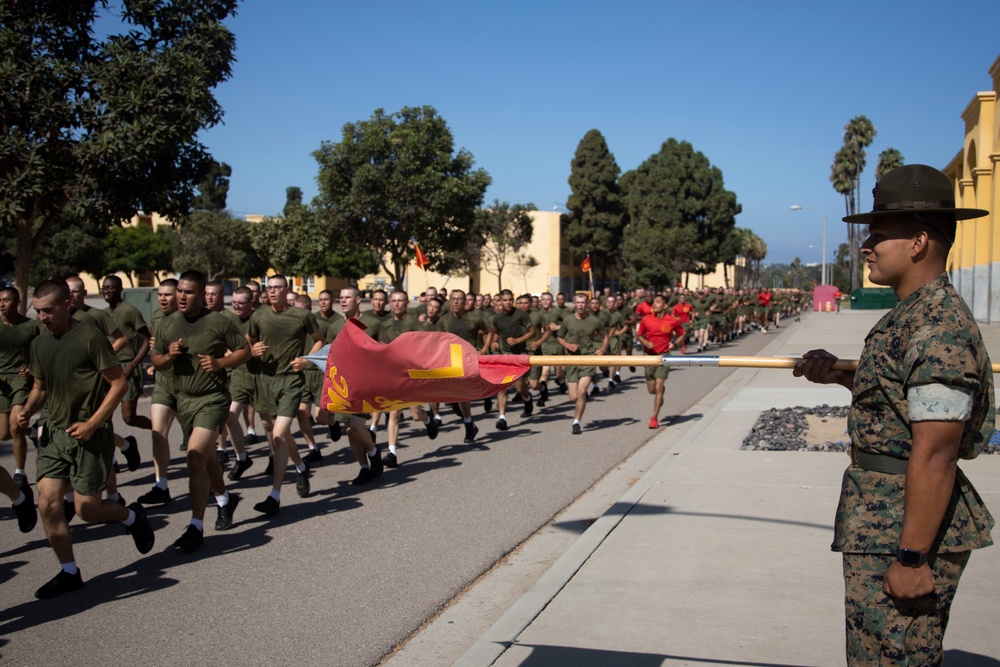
(959, 213)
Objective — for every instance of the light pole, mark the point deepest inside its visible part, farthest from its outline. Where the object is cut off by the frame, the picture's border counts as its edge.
(796, 207)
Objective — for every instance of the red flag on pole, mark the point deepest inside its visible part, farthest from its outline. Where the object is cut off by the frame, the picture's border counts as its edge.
(363, 375)
(585, 264)
(422, 261)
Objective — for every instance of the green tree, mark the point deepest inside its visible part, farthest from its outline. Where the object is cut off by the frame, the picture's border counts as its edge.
(136, 249)
(98, 126)
(596, 213)
(679, 194)
(504, 230)
(68, 250)
(297, 245)
(218, 245)
(213, 188)
(395, 179)
(293, 200)
(888, 160)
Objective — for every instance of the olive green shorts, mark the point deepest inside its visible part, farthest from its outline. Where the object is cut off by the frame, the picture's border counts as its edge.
(312, 386)
(13, 391)
(551, 347)
(614, 345)
(163, 390)
(284, 392)
(207, 411)
(248, 389)
(84, 464)
(535, 373)
(576, 373)
(656, 372)
(133, 390)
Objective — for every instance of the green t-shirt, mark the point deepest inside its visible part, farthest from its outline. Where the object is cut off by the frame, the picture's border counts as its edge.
(468, 327)
(15, 343)
(373, 327)
(208, 333)
(71, 366)
(511, 325)
(99, 319)
(587, 333)
(282, 332)
(383, 318)
(129, 321)
(324, 325)
(396, 327)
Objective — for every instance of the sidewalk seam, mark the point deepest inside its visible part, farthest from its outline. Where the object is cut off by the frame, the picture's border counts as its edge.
(505, 631)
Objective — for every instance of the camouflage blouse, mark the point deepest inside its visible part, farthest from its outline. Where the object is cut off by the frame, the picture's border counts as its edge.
(929, 338)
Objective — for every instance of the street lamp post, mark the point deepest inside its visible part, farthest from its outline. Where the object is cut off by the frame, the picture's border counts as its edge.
(796, 207)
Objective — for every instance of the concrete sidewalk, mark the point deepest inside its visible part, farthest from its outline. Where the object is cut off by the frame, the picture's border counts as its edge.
(718, 556)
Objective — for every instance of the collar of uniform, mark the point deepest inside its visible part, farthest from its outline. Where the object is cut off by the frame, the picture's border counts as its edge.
(909, 302)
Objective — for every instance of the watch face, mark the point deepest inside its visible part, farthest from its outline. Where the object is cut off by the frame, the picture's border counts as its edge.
(911, 557)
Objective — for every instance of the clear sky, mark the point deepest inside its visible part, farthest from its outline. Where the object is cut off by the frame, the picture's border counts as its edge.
(763, 89)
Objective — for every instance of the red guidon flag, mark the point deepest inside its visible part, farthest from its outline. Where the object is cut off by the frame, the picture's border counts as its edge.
(421, 260)
(363, 375)
(585, 265)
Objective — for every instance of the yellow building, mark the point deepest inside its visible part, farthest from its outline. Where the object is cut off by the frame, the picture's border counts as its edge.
(974, 262)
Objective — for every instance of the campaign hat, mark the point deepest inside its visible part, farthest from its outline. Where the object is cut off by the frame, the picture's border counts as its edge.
(914, 188)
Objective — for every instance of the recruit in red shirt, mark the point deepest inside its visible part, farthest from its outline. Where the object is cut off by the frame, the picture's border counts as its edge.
(642, 309)
(682, 311)
(659, 331)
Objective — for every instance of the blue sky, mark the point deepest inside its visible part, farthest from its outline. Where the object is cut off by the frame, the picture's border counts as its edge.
(763, 89)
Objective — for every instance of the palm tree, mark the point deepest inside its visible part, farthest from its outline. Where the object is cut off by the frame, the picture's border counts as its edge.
(848, 165)
(888, 160)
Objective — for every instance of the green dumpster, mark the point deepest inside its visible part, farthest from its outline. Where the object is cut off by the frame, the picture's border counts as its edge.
(873, 298)
(143, 298)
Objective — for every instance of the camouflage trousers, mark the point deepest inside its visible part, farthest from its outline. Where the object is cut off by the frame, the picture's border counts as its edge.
(883, 631)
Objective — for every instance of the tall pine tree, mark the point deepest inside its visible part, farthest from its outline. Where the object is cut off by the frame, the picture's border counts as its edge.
(596, 215)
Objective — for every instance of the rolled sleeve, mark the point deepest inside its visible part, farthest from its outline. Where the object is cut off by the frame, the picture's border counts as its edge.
(939, 402)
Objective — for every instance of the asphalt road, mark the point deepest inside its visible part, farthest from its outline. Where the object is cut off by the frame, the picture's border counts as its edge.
(338, 578)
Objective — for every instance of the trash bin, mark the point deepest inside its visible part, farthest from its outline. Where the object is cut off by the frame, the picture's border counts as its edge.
(144, 299)
(873, 298)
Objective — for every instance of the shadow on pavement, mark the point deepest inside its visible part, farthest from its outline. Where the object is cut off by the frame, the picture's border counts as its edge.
(544, 656)
(623, 509)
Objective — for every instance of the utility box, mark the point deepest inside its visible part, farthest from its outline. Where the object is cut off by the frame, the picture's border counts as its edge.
(873, 298)
(144, 299)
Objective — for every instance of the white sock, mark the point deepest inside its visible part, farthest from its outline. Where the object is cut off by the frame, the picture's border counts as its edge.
(466, 420)
(392, 449)
(18, 470)
(372, 453)
(161, 482)
(126, 444)
(576, 421)
(276, 494)
(242, 456)
(300, 468)
(70, 567)
(20, 498)
(222, 500)
(130, 519)
(251, 432)
(113, 497)
(68, 497)
(503, 417)
(199, 524)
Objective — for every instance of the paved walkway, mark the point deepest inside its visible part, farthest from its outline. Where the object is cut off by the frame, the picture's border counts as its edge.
(718, 556)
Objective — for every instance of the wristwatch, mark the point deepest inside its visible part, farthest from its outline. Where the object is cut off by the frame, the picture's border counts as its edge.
(911, 557)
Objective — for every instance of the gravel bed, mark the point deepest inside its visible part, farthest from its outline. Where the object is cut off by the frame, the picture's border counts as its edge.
(785, 430)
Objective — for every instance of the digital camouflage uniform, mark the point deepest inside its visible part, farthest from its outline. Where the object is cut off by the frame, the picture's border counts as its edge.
(930, 338)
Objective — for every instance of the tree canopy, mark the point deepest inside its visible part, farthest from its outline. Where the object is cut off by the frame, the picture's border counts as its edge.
(136, 249)
(396, 178)
(98, 128)
(596, 212)
(503, 230)
(679, 215)
(218, 245)
(214, 187)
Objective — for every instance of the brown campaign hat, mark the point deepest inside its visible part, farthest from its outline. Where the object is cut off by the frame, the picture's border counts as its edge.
(914, 188)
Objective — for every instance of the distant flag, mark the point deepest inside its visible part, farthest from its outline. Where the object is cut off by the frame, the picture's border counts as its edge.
(363, 375)
(422, 260)
(585, 264)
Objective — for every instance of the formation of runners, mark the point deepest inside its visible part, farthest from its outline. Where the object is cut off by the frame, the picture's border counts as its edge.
(217, 370)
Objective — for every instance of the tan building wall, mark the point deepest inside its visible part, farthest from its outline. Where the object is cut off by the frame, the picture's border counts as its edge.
(974, 262)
